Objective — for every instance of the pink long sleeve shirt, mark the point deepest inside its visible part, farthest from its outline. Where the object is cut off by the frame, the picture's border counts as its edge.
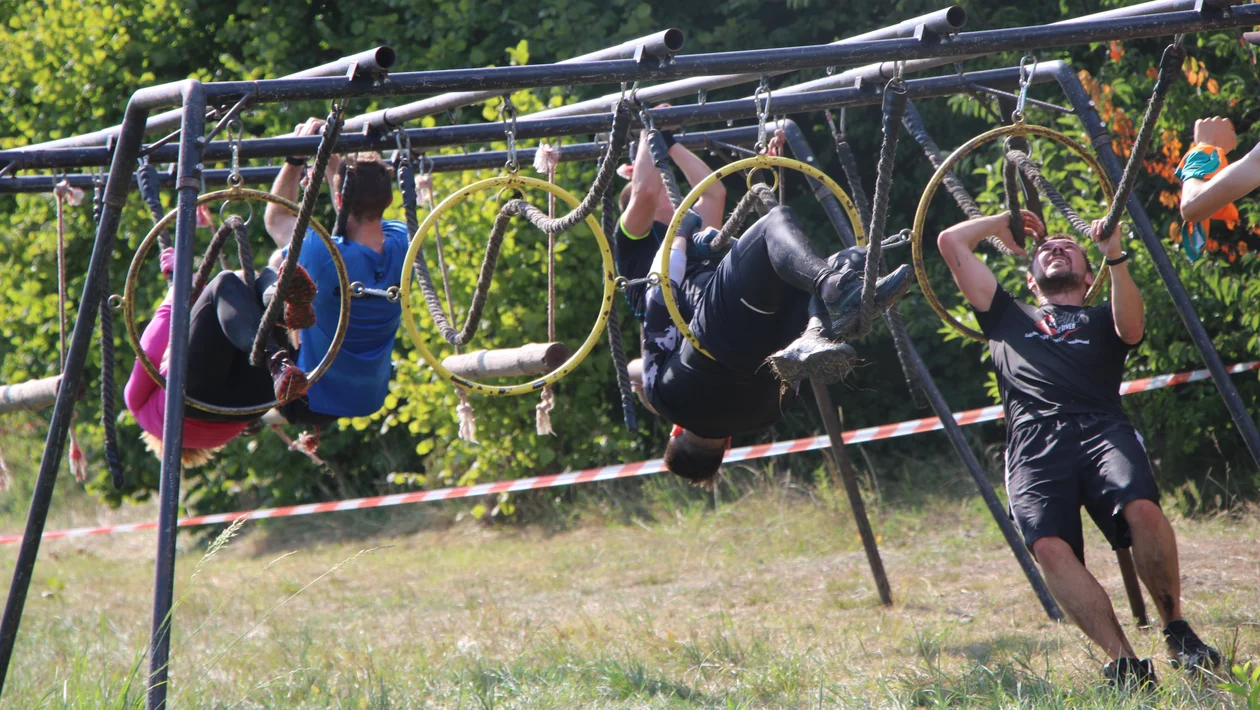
(147, 401)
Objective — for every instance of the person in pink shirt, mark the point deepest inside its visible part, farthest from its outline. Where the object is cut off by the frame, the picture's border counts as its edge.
(224, 320)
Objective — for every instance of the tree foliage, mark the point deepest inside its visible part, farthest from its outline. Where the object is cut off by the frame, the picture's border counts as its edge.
(72, 65)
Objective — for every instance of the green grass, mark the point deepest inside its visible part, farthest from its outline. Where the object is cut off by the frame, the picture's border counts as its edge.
(763, 602)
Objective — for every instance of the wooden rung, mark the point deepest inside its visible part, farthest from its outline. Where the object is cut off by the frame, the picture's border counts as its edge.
(532, 359)
(31, 396)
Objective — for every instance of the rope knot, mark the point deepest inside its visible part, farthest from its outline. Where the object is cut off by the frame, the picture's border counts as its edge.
(72, 195)
(546, 158)
(424, 187)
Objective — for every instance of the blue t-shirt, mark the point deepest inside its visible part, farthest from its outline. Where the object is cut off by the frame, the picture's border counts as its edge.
(358, 380)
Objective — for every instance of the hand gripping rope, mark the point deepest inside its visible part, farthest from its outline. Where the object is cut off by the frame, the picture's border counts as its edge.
(582, 210)
(946, 166)
(1018, 161)
(235, 226)
(271, 316)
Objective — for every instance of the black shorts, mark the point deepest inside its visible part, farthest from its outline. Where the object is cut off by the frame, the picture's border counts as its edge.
(1054, 466)
(747, 312)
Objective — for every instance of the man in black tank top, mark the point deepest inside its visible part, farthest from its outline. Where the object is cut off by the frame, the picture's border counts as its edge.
(1069, 443)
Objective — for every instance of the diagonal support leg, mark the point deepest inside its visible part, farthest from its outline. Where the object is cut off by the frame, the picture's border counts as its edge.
(831, 420)
(800, 147)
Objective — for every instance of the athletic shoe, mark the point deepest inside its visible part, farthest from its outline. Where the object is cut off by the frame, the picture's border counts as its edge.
(298, 312)
(1130, 674)
(813, 356)
(846, 308)
(290, 382)
(1188, 650)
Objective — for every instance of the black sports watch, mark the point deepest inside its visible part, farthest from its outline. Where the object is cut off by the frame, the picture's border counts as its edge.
(300, 162)
(1124, 256)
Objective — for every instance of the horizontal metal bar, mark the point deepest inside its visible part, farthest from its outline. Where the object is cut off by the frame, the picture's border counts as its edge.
(962, 44)
(373, 61)
(672, 118)
(945, 21)
(659, 46)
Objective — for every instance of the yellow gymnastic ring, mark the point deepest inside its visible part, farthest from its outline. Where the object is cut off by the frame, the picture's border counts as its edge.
(246, 195)
(417, 241)
(757, 162)
(920, 216)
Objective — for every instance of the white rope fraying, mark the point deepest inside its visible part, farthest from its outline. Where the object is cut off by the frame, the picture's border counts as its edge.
(72, 195)
(424, 188)
(546, 158)
(542, 413)
(467, 419)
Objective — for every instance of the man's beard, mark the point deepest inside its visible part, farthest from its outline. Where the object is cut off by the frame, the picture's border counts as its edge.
(1059, 283)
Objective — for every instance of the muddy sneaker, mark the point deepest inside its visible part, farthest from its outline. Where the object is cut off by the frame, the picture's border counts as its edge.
(1187, 650)
(846, 308)
(298, 312)
(1130, 674)
(813, 356)
(290, 382)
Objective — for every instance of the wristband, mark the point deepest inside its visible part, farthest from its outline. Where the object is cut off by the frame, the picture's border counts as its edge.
(668, 137)
(299, 162)
(1124, 256)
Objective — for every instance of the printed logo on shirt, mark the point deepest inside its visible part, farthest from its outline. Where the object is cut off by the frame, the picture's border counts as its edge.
(1057, 327)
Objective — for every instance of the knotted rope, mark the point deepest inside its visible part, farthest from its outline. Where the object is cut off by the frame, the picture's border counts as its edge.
(271, 316)
(62, 193)
(1169, 66)
(521, 208)
(109, 392)
(232, 226)
(1033, 172)
(414, 187)
(147, 180)
(615, 346)
(894, 109)
(546, 159)
(761, 198)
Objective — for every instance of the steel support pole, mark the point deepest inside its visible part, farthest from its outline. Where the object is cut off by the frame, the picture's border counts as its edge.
(72, 377)
(1101, 140)
(835, 432)
(192, 127)
(801, 149)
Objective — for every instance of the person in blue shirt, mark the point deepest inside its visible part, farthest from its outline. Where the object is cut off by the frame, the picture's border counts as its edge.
(374, 250)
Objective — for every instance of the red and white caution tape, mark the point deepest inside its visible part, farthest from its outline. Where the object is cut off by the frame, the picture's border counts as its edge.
(608, 473)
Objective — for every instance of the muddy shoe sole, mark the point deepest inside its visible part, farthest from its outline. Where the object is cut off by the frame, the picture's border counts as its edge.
(813, 357)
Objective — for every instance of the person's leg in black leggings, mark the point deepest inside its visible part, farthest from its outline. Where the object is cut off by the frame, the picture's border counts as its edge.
(225, 318)
(792, 257)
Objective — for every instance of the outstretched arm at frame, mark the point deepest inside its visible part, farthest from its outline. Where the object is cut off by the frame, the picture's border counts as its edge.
(1206, 186)
(1127, 309)
(958, 248)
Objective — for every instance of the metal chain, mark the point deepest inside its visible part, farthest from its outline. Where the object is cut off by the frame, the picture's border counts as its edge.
(1027, 68)
(763, 112)
(508, 113)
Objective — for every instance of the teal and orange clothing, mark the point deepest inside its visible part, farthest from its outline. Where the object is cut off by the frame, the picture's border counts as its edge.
(1202, 162)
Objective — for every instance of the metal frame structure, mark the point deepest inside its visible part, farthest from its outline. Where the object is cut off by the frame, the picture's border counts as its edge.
(193, 98)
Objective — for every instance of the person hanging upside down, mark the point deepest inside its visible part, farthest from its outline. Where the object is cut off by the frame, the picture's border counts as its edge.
(1069, 443)
(222, 325)
(1210, 184)
(770, 292)
(374, 250)
(646, 211)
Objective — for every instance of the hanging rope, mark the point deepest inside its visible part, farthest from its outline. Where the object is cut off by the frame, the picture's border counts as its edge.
(109, 392)
(1169, 66)
(615, 346)
(419, 186)
(914, 125)
(894, 109)
(761, 198)
(147, 180)
(62, 194)
(521, 208)
(271, 316)
(234, 226)
(1011, 187)
(848, 163)
(1033, 172)
(546, 158)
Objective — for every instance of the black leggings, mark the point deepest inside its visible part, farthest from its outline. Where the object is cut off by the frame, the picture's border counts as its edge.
(224, 321)
(762, 293)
